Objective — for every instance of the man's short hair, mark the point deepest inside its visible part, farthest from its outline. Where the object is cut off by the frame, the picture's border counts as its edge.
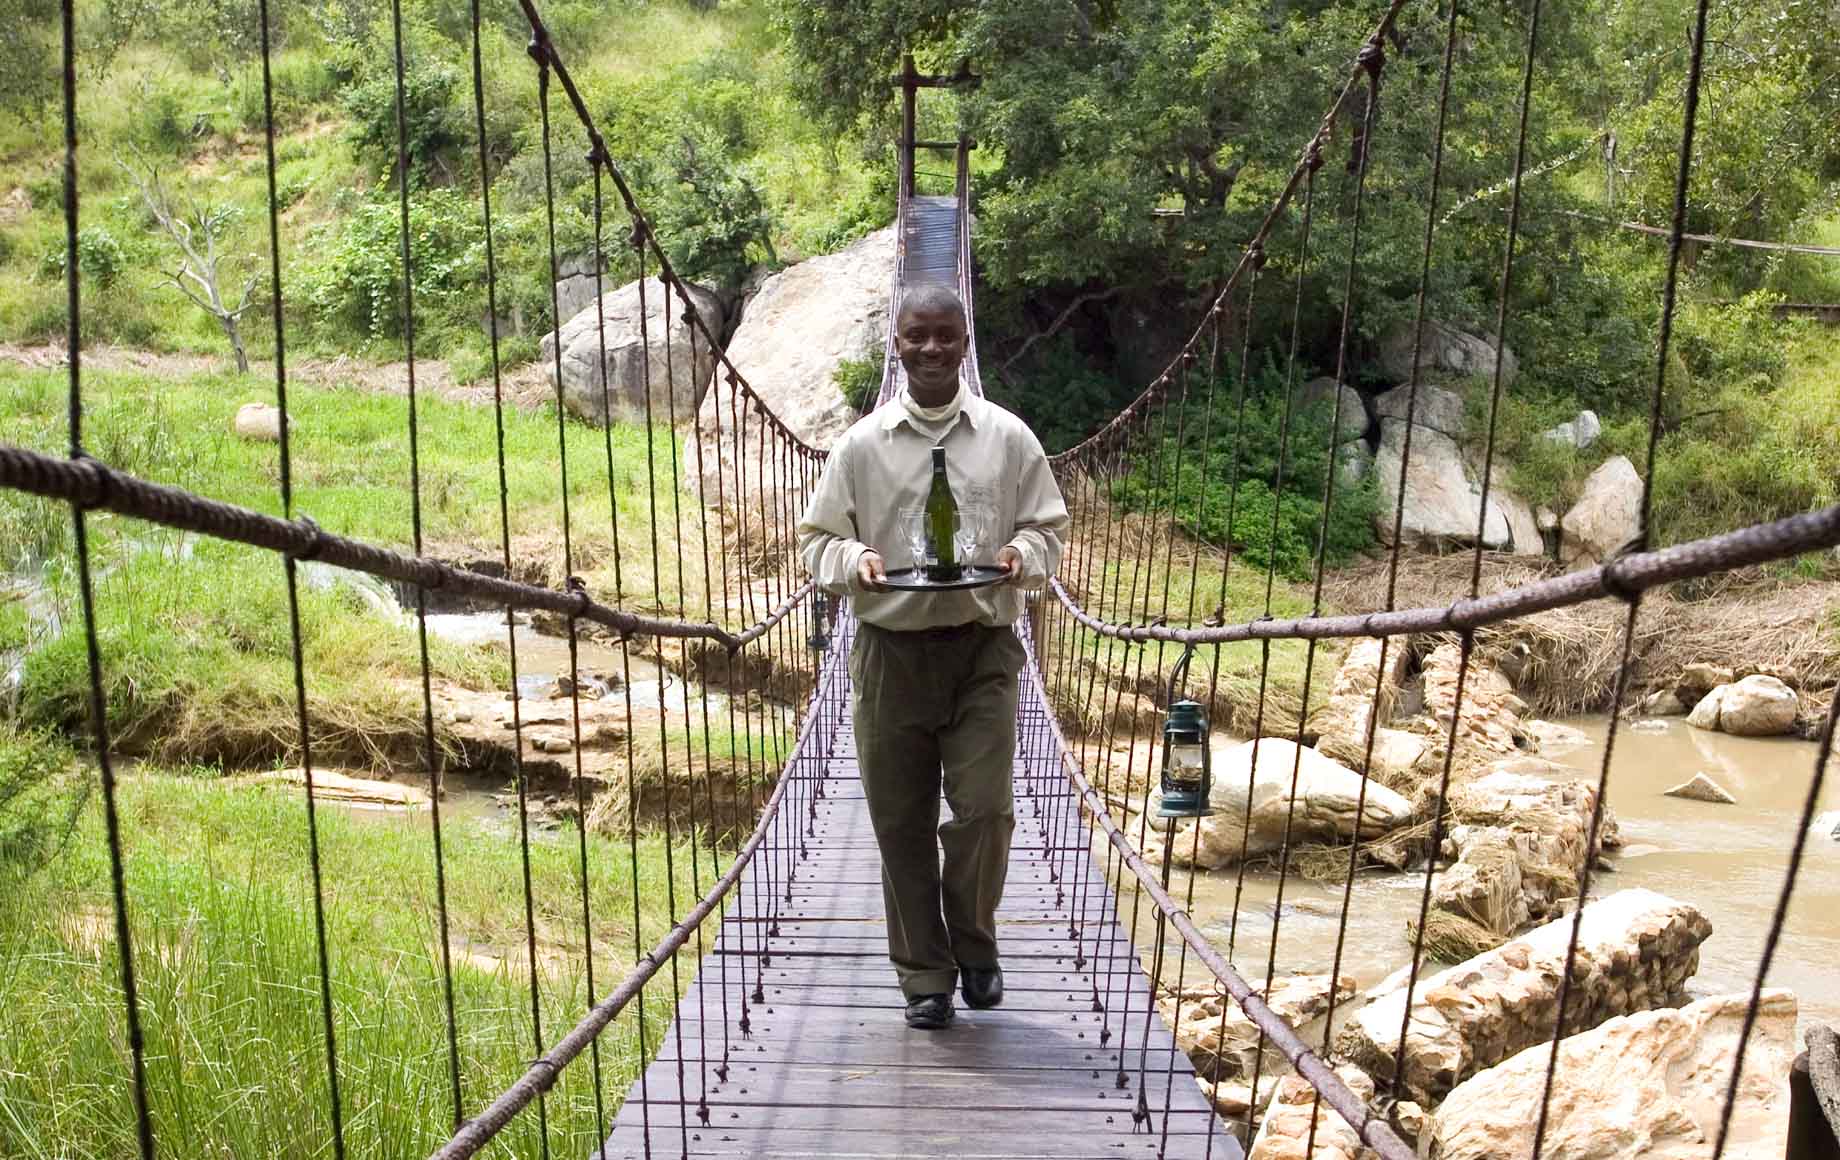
(931, 296)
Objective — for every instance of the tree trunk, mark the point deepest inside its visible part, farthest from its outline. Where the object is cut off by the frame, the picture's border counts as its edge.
(235, 334)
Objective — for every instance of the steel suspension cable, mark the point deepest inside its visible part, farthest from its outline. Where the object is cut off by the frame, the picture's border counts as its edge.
(289, 571)
(98, 700)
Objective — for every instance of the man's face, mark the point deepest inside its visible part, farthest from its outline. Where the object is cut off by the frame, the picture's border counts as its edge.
(931, 343)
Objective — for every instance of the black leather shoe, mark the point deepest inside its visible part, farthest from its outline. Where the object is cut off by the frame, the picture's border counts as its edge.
(929, 1012)
(983, 986)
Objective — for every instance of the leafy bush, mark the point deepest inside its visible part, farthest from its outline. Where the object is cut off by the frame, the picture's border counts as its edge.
(1273, 522)
(1060, 394)
(355, 277)
(100, 257)
(437, 127)
(860, 379)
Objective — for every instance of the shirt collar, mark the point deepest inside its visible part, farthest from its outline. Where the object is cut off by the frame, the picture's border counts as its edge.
(893, 414)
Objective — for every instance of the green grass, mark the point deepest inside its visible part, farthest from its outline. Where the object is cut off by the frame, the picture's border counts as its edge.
(221, 907)
(196, 647)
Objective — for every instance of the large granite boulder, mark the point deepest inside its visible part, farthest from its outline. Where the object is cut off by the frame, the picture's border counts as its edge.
(1636, 950)
(1445, 350)
(804, 322)
(1757, 706)
(665, 359)
(1650, 1084)
(1322, 808)
(1443, 489)
(1321, 393)
(1607, 515)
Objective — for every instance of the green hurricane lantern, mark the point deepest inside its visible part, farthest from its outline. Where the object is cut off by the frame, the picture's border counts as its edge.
(820, 638)
(1188, 776)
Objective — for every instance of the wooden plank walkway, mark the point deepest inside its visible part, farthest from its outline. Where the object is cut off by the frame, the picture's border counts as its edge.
(828, 1068)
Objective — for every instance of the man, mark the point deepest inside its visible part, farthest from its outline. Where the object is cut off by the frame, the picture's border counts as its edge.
(935, 673)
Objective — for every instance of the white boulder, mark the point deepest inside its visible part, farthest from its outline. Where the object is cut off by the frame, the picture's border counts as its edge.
(1757, 706)
(1351, 424)
(1253, 799)
(1580, 431)
(1607, 515)
(260, 422)
(1445, 349)
(1650, 1085)
(641, 355)
(1700, 788)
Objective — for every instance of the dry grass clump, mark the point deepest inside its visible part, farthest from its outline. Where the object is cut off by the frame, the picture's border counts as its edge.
(1745, 620)
(1451, 938)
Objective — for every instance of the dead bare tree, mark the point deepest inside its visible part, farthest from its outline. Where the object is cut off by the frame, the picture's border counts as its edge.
(197, 231)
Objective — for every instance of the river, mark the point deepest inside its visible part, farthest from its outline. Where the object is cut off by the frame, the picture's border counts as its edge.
(1727, 860)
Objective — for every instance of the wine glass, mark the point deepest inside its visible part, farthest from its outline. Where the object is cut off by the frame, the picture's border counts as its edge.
(913, 530)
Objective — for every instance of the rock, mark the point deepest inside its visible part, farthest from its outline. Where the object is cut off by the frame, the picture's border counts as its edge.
(1323, 809)
(1828, 824)
(551, 743)
(1443, 489)
(1287, 1131)
(1650, 1084)
(1433, 409)
(1548, 812)
(676, 379)
(258, 421)
(1696, 680)
(1636, 949)
(1442, 496)
(1525, 538)
(1484, 885)
(1757, 706)
(1352, 423)
(1235, 1100)
(1444, 349)
(359, 792)
(1491, 711)
(1222, 1049)
(1398, 752)
(1663, 703)
(1580, 431)
(1550, 736)
(805, 321)
(1702, 789)
(1340, 723)
(1606, 516)
(575, 286)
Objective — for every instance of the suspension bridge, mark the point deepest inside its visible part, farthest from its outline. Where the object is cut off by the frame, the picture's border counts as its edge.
(782, 1039)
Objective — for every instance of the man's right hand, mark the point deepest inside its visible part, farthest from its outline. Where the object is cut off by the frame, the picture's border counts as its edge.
(871, 573)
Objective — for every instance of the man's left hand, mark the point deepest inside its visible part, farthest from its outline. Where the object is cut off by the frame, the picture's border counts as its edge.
(1010, 560)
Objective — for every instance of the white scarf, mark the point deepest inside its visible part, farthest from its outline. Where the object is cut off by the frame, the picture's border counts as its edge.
(934, 421)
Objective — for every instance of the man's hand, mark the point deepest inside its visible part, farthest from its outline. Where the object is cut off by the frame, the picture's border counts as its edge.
(871, 574)
(1010, 560)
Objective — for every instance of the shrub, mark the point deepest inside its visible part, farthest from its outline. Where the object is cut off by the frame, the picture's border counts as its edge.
(100, 257)
(355, 279)
(1273, 523)
(860, 379)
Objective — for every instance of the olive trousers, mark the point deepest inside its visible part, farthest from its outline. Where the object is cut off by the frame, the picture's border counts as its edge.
(936, 709)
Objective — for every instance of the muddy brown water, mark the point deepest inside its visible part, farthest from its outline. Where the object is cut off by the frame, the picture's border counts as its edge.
(1727, 860)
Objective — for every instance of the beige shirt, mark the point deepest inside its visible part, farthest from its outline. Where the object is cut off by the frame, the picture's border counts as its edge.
(883, 464)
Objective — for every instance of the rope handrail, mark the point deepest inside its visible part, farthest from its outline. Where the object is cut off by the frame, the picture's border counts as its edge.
(95, 485)
(1622, 577)
(541, 1075)
(1253, 255)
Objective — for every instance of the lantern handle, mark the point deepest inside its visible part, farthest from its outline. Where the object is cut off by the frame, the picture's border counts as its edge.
(1178, 674)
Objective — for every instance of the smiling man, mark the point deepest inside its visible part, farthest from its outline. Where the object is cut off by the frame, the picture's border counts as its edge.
(935, 673)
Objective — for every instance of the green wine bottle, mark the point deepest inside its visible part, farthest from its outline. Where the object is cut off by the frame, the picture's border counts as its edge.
(941, 524)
